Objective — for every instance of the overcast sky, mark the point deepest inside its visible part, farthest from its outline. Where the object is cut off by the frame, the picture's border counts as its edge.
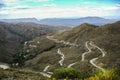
(58, 8)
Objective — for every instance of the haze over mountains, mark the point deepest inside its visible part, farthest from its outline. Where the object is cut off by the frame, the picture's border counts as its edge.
(70, 22)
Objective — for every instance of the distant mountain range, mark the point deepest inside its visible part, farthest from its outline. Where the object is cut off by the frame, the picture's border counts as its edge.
(74, 22)
(65, 21)
(34, 20)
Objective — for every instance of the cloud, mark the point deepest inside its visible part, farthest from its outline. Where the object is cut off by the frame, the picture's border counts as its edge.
(3, 16)
(50, 12)
(118, 5)
(7, 2)
(43, 0)
(49, 5)
(47, 10)
(2, 5)
(10, 3)
(87, 2)
(34, 1)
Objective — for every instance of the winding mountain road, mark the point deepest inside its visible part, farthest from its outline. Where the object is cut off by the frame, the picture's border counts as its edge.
(62, 57)
(45, 74)
(46, 68)
(94, 59)
(92, 62)
(89, 51)
(70, 65)
(4, 66)
(61, 41)
(59, 52)
(102, 51)
(83, 55)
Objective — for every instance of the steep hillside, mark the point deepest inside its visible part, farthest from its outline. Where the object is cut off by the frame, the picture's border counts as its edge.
(106, 37)
(85, 47)
(13, 35)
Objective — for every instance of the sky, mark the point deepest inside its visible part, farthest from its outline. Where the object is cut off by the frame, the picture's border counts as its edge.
(10, 9)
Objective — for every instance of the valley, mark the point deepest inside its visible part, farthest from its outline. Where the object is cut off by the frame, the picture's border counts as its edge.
(59, 39)
(85, 48)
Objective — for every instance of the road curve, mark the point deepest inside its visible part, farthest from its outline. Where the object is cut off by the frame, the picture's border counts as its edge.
(92, 62)
(46, 68)
(4, 66)
(89, 50)
(70, 65)
(102, 51)
(83, 55)
(94, 59)
(45, 74)
(61, 41)
(62, 57)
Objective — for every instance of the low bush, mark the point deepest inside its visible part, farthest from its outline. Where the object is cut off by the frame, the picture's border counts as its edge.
(66, 73)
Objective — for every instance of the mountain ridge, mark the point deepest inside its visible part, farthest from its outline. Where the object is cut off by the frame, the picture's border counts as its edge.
(64, 21)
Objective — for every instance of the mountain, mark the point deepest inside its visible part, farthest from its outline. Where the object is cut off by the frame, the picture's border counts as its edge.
(85, 47)
(74, 22)
(92, 50)
(13, 35)
(71, 22)
(20, 20)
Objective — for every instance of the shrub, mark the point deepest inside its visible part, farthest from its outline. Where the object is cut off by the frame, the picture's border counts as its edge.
(19, 58)
(107, 75)
(69, 73)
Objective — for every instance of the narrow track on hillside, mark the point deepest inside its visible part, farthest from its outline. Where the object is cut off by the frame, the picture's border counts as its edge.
(62, 57)
(4, 66)
(102, 51)
(70, 65)
(83, 55)
(59, 52)
(45, 74)
(94, 59)
(46, 68)
(89, 51)
(61, 41)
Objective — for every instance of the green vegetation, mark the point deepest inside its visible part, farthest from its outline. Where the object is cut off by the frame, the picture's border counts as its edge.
(68, 73)
(20, 74)
(58, 74)
(108, 75)
(18, 59)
